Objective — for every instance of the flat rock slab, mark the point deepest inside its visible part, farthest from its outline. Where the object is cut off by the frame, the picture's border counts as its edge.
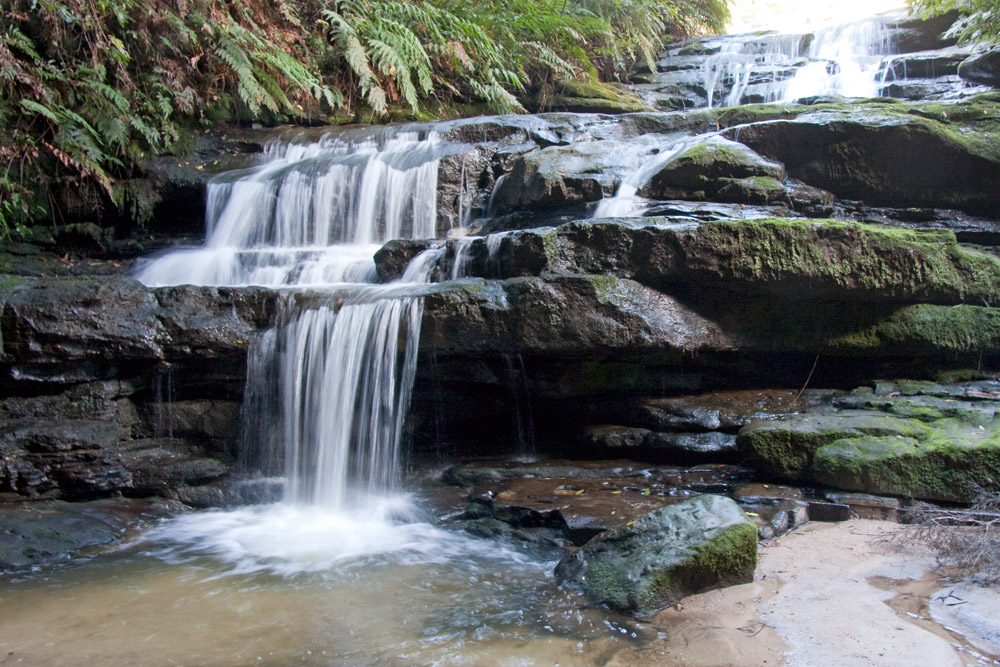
(654, 561)
(35, 533)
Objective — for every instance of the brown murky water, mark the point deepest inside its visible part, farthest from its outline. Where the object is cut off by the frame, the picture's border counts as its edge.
(428, 598)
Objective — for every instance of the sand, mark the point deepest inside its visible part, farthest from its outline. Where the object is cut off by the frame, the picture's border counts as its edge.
(830, 594)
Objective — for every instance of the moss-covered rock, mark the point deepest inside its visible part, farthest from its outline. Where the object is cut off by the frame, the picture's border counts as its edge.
(700, 544)
(933, 448)
(952, 462)
(719, 170)
(589, 97)
(784, 449)
(800, 258)
(892, 155)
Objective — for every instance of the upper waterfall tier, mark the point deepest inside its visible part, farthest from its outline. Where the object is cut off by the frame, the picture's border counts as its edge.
(885, 56)
(313, 213)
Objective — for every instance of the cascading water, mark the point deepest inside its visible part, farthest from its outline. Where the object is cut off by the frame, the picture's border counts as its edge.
(623, 203)
(312, 214)
(844, 60)
(329, 387)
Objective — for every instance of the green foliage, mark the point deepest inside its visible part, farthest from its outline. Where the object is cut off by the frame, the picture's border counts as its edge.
(88, 88)
(979, 22)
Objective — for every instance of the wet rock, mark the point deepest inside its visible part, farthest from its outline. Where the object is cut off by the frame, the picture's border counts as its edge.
(868, 506)
(885, 157)
(606, 439)
(967, 228)
(776, 520)
(72, 459)
(699, 544)
(914, 34)
(485, 518)
(597, 315)
(946, 87)
(212, 322)
(728, 410)
(820, 259)
(719, 170)
(561, 175)
(925, 64)
(43, 532)
(162, 466)
(109, 320)
(982, 68)
(830, 512)
(563, 314)
(471, 475)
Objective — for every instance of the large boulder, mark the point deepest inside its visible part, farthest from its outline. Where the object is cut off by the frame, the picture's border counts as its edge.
(889, 157)
(108, 389)
(45, 532)
(794, 257)
(661, 557)
(719, 170)
(571, 175)
(91, 329)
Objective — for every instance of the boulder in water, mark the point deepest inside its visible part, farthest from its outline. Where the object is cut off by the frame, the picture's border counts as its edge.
(654, 561)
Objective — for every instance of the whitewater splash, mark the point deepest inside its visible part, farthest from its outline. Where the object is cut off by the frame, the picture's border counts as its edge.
(625, 203)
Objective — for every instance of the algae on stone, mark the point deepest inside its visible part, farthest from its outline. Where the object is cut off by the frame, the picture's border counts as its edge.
(699, 544)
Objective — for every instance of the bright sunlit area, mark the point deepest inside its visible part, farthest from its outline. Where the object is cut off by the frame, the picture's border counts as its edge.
(794, 16)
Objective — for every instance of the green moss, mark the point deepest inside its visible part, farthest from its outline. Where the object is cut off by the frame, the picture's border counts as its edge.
(728, 558)
(947, 466)
(590, 95)
(604, 285)
(755, 113)
(913, 265)
(928, 328)
(609, 583)
(752, 190)
(10, 282)
(785, 449)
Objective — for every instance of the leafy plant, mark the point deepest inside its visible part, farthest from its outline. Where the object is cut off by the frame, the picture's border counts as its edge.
(979, 22)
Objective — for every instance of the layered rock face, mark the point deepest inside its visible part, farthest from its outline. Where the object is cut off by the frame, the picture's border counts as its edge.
(115, 389)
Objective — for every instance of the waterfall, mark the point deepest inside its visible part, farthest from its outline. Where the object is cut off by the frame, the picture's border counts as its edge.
(842, 60)
(762, 63)
(329, 387)
(311, 214)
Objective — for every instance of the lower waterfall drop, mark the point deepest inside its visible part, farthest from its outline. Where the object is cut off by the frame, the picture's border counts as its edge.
(328, 388)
